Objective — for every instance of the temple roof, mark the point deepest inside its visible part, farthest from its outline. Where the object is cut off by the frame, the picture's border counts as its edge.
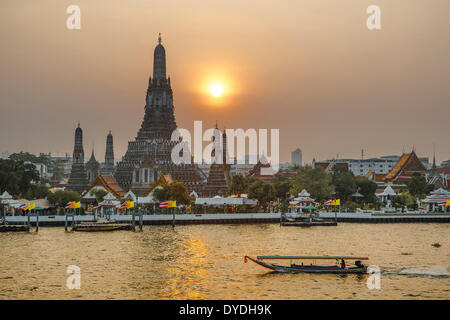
(403, 162)
(109, 183)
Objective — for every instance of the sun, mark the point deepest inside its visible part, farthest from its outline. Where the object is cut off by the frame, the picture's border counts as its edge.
(216, 89)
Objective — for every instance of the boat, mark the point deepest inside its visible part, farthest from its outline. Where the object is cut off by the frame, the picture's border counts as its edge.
(340, 266)
(101, 225)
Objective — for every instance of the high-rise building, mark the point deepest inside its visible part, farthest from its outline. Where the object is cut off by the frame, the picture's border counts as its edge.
(153, 141)
(296, 157)
(78, 178)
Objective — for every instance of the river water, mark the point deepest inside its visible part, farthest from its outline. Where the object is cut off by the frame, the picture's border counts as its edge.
(206, 262)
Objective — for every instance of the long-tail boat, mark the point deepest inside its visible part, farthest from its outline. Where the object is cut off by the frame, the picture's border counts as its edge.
(339, 267)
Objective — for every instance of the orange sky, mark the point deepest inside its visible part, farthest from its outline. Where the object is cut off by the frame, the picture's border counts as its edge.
(310, 68)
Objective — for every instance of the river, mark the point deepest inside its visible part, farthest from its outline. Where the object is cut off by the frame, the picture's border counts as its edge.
(206, 262)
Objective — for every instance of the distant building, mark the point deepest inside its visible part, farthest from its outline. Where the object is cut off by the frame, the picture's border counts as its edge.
(296, 157)
(445, 163)
(361, 167)
(5, 155)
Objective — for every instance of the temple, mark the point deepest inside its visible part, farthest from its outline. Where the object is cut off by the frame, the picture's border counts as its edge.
(78, 178)
(219, 176)
(108, 166)
(153, 141)
(92, 168)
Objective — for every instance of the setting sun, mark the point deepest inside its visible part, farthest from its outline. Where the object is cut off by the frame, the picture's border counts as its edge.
(216, 89)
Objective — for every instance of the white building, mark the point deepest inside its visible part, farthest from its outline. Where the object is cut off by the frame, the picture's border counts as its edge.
(382, 165)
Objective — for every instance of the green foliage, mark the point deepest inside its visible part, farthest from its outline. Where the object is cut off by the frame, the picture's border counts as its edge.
(61, 198)
(367, 188)
(99, 194)
(316, 181)
(261, 191)
(238, 184)
(16, 176)
(344, 183)
(404, 200)
(173, 191)
(417, 186)
(282, 186)
(37, 191)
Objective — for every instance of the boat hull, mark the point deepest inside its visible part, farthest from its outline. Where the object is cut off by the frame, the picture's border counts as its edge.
(309, 269)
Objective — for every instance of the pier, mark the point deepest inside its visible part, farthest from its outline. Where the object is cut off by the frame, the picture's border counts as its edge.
(236, 218)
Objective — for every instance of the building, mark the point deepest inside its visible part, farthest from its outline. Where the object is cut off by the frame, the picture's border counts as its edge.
(78, 178)
(296, 157)
(92, 168)
(108, 166)
(362, 167)
(219, 175)
(153, 139)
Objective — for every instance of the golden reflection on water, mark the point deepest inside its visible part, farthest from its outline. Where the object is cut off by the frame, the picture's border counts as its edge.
(206, 262)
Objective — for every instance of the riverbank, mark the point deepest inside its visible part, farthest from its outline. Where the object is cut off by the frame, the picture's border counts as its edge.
(243, 218)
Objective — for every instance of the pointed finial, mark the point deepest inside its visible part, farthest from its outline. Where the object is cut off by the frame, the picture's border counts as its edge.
(78, 123)
(216, 125)
(159, 38)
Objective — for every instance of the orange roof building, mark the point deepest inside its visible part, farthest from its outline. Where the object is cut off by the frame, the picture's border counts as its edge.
(407, 165)
(108, 183)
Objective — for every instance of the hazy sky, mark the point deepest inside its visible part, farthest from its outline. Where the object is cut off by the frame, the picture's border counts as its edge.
(308, 67)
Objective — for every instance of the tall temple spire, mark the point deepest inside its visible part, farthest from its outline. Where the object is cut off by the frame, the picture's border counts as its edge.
(78, 179)
(153, 140)
(108, 167)
(159, 62)
(434, 156)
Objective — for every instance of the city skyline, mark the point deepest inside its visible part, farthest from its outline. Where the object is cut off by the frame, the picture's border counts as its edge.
(355, 91)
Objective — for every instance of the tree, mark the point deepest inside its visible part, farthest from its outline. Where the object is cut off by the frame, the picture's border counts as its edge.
(417, 186)
(316, 181)
(16, 176)
(37, 191)
(344, 182)
(261, 191)
(173, 191)
(99, 195)
(367, 188)
(238, 185)
(61, 198)
(282, 187)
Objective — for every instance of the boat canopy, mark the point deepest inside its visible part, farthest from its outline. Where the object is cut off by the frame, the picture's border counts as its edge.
(312, 257)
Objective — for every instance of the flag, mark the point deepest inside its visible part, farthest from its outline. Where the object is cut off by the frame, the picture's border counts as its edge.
(32, 206)
(23, 206)
(130, 204)
(333, 202)
(442, 203)
(328, 203)
(164, 204)
(172, 204)
(69, 205)
(124, 205)
(447, 204)
(337, 202)
(76, 205)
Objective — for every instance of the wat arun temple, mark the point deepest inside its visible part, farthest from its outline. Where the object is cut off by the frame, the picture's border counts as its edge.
(149, 155)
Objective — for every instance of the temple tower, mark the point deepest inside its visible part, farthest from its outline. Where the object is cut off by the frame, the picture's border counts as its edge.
(219, 176)
(92, 168)
(78, 179)
(108, 166)
(153, 141)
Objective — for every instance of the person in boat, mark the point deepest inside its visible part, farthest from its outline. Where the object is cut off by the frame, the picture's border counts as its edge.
(342, 263)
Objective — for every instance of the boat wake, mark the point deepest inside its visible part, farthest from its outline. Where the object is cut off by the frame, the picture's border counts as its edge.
(435, 271)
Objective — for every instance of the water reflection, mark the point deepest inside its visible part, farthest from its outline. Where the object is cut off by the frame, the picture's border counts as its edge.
(206, 262)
